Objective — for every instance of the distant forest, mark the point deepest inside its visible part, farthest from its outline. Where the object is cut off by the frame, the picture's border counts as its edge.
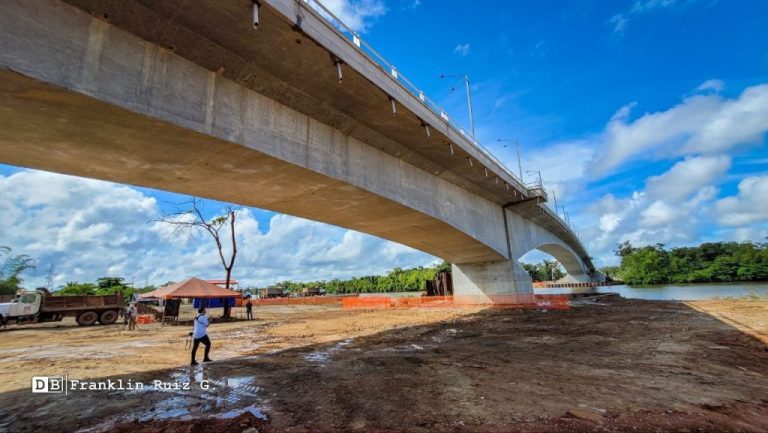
(396, 280)
(412, 279)
(706, 263)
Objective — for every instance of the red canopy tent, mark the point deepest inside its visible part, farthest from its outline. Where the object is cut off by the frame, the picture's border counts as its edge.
(191, 288)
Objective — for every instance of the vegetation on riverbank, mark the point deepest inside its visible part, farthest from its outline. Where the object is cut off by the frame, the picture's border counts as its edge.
(103, 286)
(396, 280)
(547, 270)
(706, 263)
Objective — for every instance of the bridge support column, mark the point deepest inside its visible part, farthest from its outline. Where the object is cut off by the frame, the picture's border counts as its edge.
(502, 282)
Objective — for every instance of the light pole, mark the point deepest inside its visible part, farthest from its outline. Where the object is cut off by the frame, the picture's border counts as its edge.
(517, 149)
(554, 197)
(541, 184)
(465, 77)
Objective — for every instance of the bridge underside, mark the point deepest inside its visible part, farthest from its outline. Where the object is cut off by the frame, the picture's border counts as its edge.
(83, 97)
(57, 130)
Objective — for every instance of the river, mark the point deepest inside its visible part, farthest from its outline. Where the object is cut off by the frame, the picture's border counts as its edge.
(682, 292)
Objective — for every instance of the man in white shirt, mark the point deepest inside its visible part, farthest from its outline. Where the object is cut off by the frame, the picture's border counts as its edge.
(200, 335)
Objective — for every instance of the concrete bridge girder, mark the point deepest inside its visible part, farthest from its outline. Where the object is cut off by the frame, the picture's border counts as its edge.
(84, 97)
(135, 113)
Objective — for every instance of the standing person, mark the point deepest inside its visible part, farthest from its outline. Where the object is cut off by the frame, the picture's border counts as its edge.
(133, 313)
(200, 335)
(249, 309)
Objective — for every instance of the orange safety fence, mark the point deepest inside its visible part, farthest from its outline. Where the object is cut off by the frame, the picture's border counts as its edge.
(309, 300)
(144, 319)
(550, 302)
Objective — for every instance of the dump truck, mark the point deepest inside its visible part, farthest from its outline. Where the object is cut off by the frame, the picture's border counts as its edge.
(273, 292)
(35, 306)
(311, 291)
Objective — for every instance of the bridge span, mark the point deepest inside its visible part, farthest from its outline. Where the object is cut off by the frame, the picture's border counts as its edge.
(296, 115)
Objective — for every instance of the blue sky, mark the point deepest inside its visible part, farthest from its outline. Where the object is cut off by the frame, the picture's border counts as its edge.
(646, 117)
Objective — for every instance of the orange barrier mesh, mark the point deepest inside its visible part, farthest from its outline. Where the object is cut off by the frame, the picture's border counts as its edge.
(550, 302)
(309, 300)
(556, 302)
(145, 319)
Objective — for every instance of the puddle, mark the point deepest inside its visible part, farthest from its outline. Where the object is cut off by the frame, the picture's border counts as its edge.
(322, 356)
(253, 409)
(208, 395)
(445, 335)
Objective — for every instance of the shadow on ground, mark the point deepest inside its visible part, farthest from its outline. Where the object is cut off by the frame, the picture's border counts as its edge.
(617, 365)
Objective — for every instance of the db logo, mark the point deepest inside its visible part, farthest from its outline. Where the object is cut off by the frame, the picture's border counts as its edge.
(45, 384)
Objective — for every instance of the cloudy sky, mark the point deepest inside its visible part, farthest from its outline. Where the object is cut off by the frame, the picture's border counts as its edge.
(646, 117)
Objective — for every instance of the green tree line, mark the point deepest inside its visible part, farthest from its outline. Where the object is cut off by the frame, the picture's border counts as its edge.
(396, 280)
(548, 270)
(102, 286)
(706, 263)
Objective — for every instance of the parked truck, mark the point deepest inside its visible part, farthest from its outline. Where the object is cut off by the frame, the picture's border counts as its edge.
(273, 292)
(34, 306)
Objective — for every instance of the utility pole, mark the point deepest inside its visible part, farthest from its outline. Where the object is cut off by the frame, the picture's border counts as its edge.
(541, 184)
(469, 107)
(517, 149)
(554, 197)
(465, 77)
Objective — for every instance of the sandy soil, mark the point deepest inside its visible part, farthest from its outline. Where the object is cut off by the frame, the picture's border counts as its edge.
(614, 365)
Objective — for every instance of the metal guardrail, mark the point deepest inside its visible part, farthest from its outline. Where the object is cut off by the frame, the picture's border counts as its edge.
(348, 33)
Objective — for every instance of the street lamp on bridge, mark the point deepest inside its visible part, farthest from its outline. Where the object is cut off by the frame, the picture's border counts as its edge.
(541, 184)
(517, 149)
(465, 77)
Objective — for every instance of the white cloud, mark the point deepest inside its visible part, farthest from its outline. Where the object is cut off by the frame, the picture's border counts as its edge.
(743, 234)
(461, 50)
(359, 15)
(411, 4)
(640, 7)
(619, 23)
(688, 176)
(563, 166)
(748, 207)
(700, 124)
(711, 85)
(89, 229)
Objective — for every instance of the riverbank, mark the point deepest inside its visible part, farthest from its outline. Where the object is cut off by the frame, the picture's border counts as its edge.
(613, 365)
(687, 292)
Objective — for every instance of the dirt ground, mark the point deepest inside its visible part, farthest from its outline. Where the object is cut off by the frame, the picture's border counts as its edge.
(612, 365)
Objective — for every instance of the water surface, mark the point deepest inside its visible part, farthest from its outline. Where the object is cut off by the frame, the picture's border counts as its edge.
(681, 292)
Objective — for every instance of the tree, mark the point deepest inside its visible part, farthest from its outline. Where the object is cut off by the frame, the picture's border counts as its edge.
(548, 270)
(192, 220)
(10, 271)
(73, 288)
(708, 262)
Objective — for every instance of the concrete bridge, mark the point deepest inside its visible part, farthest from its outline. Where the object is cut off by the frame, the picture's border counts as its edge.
(270, 104)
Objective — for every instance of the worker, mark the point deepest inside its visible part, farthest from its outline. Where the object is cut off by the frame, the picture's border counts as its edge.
(133, 313)
(200, 335)
(249, 309)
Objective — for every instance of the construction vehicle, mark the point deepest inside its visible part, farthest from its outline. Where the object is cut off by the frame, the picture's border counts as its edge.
(273, 292)
(35, 306)
(311, 291)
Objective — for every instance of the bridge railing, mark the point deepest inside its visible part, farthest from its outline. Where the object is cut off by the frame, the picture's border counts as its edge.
(347, 32)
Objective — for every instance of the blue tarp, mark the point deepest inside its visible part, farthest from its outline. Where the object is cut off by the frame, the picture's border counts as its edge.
(212, 303)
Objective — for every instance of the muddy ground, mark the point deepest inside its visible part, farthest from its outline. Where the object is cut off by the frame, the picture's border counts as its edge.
(613, 365)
